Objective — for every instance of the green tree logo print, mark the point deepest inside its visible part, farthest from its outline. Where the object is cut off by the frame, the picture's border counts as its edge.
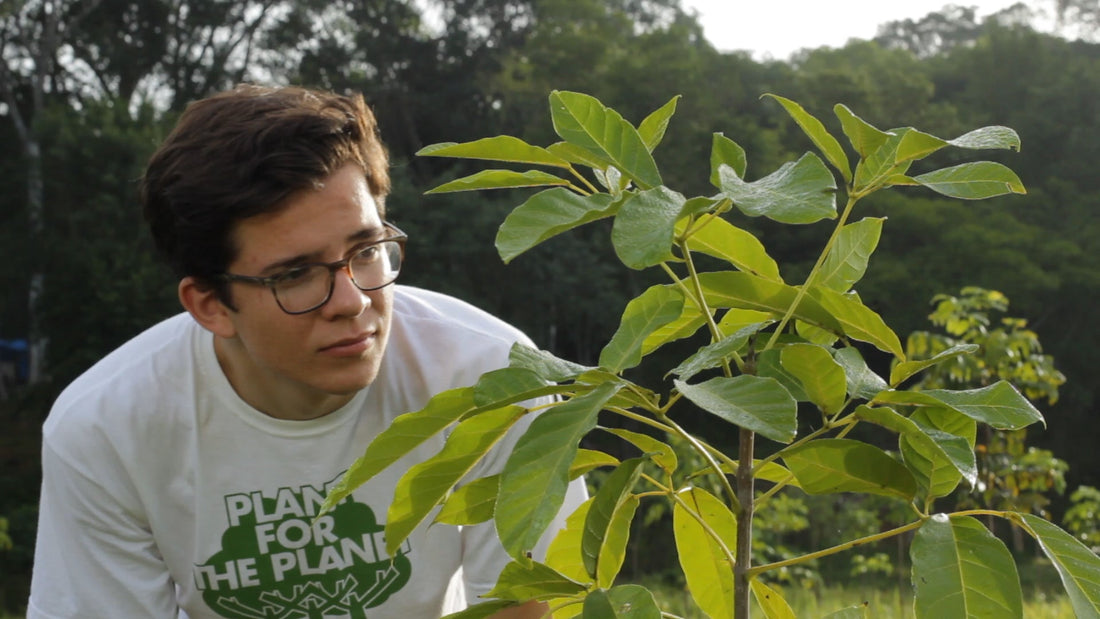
(274, 564)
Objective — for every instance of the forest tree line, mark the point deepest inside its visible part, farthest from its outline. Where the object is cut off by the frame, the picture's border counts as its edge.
(89, 87)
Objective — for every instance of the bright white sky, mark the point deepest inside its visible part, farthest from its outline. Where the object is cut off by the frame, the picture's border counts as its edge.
(780, 27)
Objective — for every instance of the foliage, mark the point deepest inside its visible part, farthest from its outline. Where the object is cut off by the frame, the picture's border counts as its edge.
(1083, 517)
(772, 347)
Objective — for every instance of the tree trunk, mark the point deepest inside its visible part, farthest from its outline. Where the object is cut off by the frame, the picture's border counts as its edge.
(745, 490)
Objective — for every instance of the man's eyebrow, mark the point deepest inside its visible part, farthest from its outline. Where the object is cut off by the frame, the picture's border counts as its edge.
(362, 235)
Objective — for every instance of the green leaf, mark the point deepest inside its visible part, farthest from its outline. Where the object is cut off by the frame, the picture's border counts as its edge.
(973, 181)
(588, 459)
(685, 325)
(988, 137)
(998, 405)
(723, 240)
(933, 448)
(770, 601)
(547, 214)
(499, 148)
(769, 364)
(822, 139)
(526, 580)
(426, 484)
(535, 477)
(751, 402)
(482, 610)
(915, 145)
(403, 435)
(825, 466)
(707, 569)
(821, 377)
(657, 306)
(471, 503)
(865, 138)
(564, 552)
(858, 321)
(644, 227)
(947, 420)
(862, 382)
(724, 151)
(544, 364)
(575, 154)
(660, 453)
(745, 291)
(862, 611)
(848, 258)
(510, 385)
(584, 121)
(880, 163)
(652, 129)
(622, 602)
(962, 570)
(797, 193)
(904, 370)
(612, 496)
(1078, 567)
(500, 179)
(715, 354)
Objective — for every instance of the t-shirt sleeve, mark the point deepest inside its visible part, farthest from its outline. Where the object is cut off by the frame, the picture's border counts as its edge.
(94, 556)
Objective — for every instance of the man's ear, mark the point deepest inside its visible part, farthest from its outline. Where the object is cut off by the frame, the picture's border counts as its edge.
(203, 304)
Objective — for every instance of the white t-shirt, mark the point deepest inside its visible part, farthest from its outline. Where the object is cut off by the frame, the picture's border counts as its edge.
(164, 494)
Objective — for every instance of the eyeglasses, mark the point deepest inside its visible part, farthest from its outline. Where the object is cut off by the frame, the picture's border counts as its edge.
(306, 287)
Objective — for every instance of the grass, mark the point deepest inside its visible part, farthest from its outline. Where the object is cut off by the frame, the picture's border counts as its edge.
(882, 603)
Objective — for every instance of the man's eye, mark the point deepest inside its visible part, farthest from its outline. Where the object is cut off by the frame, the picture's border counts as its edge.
(368, 254)
(292, 276)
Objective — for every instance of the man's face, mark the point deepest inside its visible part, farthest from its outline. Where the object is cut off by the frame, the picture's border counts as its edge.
(308, 364)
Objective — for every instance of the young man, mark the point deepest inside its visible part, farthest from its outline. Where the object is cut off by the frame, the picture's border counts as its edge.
(182, 472)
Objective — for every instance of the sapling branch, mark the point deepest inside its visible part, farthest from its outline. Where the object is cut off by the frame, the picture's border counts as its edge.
(703, 451)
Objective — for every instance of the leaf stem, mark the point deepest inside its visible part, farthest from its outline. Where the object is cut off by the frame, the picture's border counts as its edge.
(835, 549)
(703, 451)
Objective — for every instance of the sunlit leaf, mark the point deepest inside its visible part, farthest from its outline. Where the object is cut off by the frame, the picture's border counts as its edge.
(917, 145)
(544, 364)
(578, 155)
(988, 137)
(862, 611)
(769, 364)
(426, 483)
(801, 192)
(526, 579)
(547, 214)
(564, 552)
(471, 503)
(825, 466)
(862, 381)
(848, 258)
(661, 454)
(1078, 567)
(500, 179)
(933, 450)
(724, 241)
(713, 355)
(652, 128)
(510, 385)
(821, 377)
(707, 568)
(822, 139)
(880, 163)
(999, 405)
(584, 121)
(724, 151)
(535, 477)
(973, 181)
(729, 289)
(960, 569)
(770, 601)
(612, 496)
(904, 370)
(864, 137)
(644, 227)
(657, 306)
(622, 602)
(858, 321)
(499, 148)
(751, 402)
(482, 610)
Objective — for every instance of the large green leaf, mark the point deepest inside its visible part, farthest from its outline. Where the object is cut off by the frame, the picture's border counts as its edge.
(904, 370)
(962, 570)
(660, 453)
(833, 465)
(535, 477)
(723, 240)
(525, 579)
(706, 567)
(770, 601)
(471, 503)
(937, 459)
(403, 435)
(821, 377)
(644, 227)
(544, 364)
(801, 192)
(847, 260)
(576, 154)
(999, 405)
(613, 496)
(729, 289)
(657, 306)
(724, 151)
(863, 383)
(822, 139)
(564, 552)
(880, 163)
(510, 385)
(622, 602)
(715, 354)
(500, 179)
(427, 483)
(858, 321)
(547, 214)
(751, 402)
(865, 138)
(685, 325)
(988, 137)
(584, 121)
(916, 145)
(947, 420)
(652, 128)
(973, 181)
(482, 610)
(769, 364)
(1078, 566)
(499, 148)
